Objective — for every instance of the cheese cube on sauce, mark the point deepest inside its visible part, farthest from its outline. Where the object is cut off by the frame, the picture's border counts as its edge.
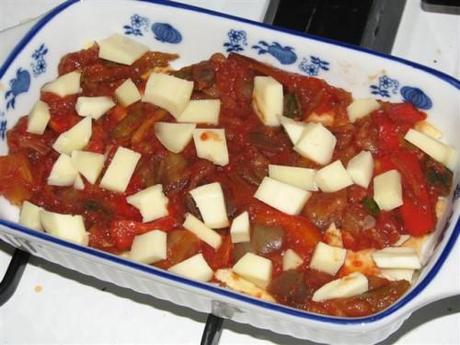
(120, 170)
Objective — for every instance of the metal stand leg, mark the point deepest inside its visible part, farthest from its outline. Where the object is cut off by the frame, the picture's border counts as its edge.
(13, 275)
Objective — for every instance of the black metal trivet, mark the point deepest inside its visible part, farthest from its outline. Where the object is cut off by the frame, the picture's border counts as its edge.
(13, 275)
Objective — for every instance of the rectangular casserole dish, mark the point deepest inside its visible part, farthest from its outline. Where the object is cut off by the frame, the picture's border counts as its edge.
(180, 30)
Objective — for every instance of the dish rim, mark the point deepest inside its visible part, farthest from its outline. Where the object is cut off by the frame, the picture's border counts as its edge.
(207, 286)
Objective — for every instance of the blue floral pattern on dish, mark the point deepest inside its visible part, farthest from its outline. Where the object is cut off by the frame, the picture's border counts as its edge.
(138, 25)
(166, 33)
(313, 65)
(457, 192)
(19, 84)
(237, 40)
(417, 97)
(385, 87)
(39, 63)
(3, 128)
(285, 55)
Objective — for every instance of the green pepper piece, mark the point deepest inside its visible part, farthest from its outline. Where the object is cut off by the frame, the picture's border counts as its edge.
(371, 206)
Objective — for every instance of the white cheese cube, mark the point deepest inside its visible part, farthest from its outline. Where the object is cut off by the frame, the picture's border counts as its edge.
(65, 85)
(93, 107)
(120, 170)
(423, 245)
(151, 203)
(65, 226)
(63, 173)
(210, 201)
(268, 100)
(38, 118)
(240, 229)
(89, 164)
(333, 177)
(255, 268)
(397, 257)
(195, 268)
(394, 274)
(351, 285)
(127, 93)
(174, 136)
(168, 92)
(201, 111)
(316, 143)
(361, 107)
(434, 148)
(402, 239)
(30, 215)
(149, 247)
(360, 168)
(211, 144)
(121, 49)
(282, 196)
(294, 129)
(75, 138)
(201, 231)
(427, 128)
(291, 260)
(327, 259)
(78, 183)
(333, 236)
(302, 178)
(388, 190)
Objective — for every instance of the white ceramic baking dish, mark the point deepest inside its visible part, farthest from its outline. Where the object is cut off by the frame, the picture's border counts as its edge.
(195, 34)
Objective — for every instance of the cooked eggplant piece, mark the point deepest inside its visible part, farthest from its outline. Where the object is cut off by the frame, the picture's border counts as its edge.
(267, 239)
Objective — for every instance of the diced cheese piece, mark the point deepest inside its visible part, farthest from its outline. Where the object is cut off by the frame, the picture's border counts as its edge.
(423, 245)
(388, 190)
(237, 283)
(282, 196)
(121, 49)
(291, 260)
(333, 177)
(397, 257)
(397, 274)
(211, 144)
(402, 239)
(195, 267)
(65, 226)
(120, 170)
(174, 136)
(30, 215)
(351, 285)
(63, 173)
(78, 183)
(327, 259)
(268, 100)
(361, 107)
(210, 201)
(360, 168)
(302, 178)
(434, 148)
(254, 268)
(316, 143)
(201, 231)
(94, 107)
(89, 164)
(150, 247)
(333, 236)
(294, 129)
(168, 92)
(75, 138)
(427, 128)
(65, 85)
(240, 229)
(38, 118)
(201, 111)
(151, 203)
(127, 93)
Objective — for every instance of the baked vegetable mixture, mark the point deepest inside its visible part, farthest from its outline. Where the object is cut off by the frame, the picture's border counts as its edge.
(231, 171)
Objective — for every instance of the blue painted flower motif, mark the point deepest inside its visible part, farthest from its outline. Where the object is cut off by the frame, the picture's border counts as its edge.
(385, 87)
(165, 32)
(457, 192)
(417, 97)
(285, 55)
(313, 65)
(3, 125)
(39, 64)
(18, 85)
(237, 39)
(138, 25)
